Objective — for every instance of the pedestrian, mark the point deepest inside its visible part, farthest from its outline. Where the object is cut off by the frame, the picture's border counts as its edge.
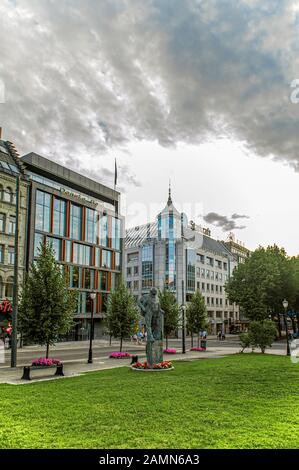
(223, 336)
(219, 335)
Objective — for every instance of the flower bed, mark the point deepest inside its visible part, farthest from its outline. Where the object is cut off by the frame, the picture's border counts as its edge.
(119, 355)
(198, 349)
(160, 365)
(43, 361)
(169, 351)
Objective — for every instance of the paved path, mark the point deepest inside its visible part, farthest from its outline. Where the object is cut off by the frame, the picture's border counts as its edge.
(75, 364)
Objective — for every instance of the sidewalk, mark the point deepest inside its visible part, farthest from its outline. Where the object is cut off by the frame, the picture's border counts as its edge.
(74, 368)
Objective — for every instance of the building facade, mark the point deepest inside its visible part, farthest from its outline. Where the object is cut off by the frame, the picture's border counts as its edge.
(10, 170)
(182, 257)
(80, 218)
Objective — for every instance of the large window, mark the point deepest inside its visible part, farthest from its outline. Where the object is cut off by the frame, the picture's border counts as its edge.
(68, 251)
(147, 266)
(1, 253)
(59, 217)
(56, 246)
(91, 226)
(75, 277)
(42, 211)
(106, 259)
(2, 222)
(190, 261)
(82, 254)
(116, 233)
(88, 279)
(118, 261)
(103, 281)
(12, 224)
(11, 255)
(38, 239)
(76, 222)
(104, 230)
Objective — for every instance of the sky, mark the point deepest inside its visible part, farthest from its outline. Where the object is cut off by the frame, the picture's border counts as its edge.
(204, 93)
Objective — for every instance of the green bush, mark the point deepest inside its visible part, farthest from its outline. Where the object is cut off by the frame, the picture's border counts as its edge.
(261, 335)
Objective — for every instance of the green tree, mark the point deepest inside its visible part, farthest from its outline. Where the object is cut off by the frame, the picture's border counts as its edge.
(46, 306)
(262, 334)
(196, 315)
(122, 314)
(260, 284)
(171, 310)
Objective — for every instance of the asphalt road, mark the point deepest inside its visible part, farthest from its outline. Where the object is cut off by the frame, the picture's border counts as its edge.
(76, 352)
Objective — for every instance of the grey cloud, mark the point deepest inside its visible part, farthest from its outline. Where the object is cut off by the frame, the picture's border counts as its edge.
(82, 77)
(239, 216)
(226, 223)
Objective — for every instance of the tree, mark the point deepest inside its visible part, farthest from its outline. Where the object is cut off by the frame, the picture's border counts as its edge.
(196, 315)
(46, 305)
(171, 310)
(122, 314)
(260, 284)
(262, 334)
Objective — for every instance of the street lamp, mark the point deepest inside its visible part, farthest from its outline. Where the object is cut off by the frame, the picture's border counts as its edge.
(92, 296)
(285, 304)
(183, 330)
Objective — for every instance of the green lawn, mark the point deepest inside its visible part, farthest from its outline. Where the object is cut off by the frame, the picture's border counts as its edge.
(242, 401)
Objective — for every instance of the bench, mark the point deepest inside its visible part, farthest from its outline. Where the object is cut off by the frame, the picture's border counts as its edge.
(27, 370)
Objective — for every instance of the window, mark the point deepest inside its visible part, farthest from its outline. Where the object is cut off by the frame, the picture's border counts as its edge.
(118, 261)
(88, 279)
(11, 255)
(212, 275)
(82, 254)
(129, 285)
(200, 258)
(106, 259)
(68, 251)
(12, 224)
(59, 220)
(9, 287)
(38, 239)
(225, 266)
(75, 276)
(210, 261)
(56, 246)
(132, 257)
(2, 222)
(76, 222)
(136, 270)
(208, 274)
(42, 211)
(136, 285)
(103, 281)
(129, 271)
(1, 254)
(104, 230)
(115, 233)
(91, 226)
(98, 257)
(202, 286)
(203, 271)
(8, 195)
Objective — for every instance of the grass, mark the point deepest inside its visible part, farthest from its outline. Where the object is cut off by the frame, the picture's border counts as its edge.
(241, 401)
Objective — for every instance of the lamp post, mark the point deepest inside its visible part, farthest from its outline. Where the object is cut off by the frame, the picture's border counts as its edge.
(183, 330)
(285, 304)
(14, 337)
(92, 296)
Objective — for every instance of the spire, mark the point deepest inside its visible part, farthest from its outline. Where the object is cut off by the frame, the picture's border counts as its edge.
(169, 202)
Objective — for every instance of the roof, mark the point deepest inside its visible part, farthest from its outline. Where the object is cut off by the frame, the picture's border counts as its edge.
(141, 234)
(52, 170)
(10, 162)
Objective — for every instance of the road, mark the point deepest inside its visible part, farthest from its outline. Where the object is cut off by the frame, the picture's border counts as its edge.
(73, 352)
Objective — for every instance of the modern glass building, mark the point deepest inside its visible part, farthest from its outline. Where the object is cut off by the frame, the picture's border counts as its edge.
(79, 216)
(170, 253)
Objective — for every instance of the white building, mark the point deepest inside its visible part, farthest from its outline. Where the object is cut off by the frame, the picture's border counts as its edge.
(181, 257)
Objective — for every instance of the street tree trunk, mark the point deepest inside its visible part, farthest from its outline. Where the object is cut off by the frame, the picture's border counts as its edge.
(279, 325)
(191, 340)
(198, 340)
(166, 338)
(121, 345)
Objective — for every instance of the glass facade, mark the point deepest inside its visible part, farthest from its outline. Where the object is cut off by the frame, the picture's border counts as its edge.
(86, 243)
(147, 266)
(190, 269)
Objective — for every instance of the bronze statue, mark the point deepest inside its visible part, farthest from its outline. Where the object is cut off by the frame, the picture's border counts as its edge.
(153, 316)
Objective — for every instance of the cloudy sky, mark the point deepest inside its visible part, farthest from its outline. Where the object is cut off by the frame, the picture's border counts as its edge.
(202, 92)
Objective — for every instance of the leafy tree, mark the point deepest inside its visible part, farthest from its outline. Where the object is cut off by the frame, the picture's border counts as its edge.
(122, 314)
(46, 305)
(262, 334)
(245, 341)
(196, 315)
(260, 284)
(295, 301)
(171, 310)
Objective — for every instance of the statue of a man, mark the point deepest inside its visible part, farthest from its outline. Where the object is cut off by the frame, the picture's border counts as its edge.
(153, 316)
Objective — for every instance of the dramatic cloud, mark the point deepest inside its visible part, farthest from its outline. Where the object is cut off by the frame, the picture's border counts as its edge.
(82, 77)
(226, 223)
